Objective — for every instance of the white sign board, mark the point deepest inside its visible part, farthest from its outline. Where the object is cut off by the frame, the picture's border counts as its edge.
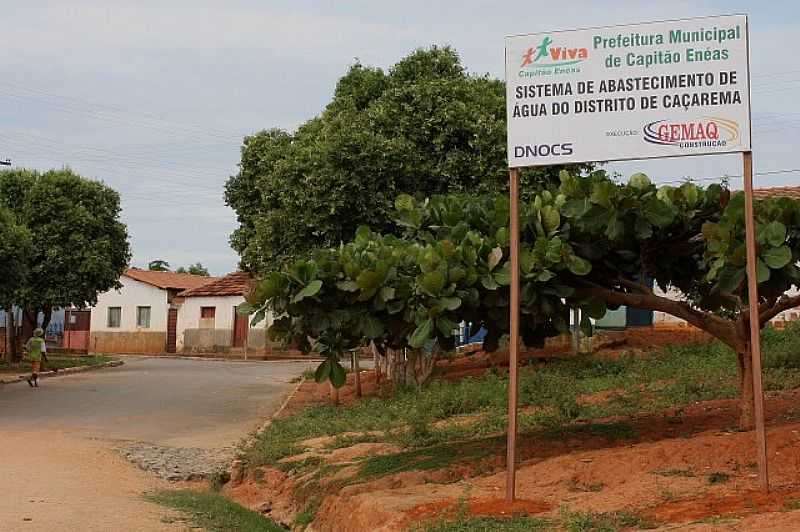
(661, 89)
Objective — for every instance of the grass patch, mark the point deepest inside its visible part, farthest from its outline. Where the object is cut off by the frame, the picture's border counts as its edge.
(718, 477)
(552, 396)
(792, 505)
(602, 522)
(488, 524)
(213, 512)
(675, 473)
(56, 362)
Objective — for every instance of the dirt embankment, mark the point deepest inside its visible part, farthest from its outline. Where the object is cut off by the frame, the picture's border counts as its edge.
(686, 467)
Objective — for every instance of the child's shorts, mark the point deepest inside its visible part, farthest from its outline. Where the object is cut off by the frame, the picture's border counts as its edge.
(36, 365)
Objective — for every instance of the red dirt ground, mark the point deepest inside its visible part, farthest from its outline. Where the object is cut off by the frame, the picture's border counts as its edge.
(662, 474)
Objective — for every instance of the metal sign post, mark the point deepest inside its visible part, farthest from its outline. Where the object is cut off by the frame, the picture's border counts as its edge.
(755, 321)
(660, 89)
(513, 345)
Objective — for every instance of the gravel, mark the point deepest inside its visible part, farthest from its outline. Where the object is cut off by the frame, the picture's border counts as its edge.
(178, 463)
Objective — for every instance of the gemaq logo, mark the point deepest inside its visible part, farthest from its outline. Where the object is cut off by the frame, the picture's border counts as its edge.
(704, 132)
(547, 55)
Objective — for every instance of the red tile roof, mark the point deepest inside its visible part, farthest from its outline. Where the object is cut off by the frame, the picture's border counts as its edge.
(788, 192)
(168, 280)
(233, 284)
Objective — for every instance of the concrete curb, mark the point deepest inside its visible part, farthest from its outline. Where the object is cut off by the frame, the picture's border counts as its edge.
(250, 439)
(65, 371)
(219, 359)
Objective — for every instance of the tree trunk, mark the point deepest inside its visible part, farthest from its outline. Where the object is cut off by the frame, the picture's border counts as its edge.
(747, 413)
(47, 312)
(576, 331)
(357, 371)
(334, 394)
(11, 336)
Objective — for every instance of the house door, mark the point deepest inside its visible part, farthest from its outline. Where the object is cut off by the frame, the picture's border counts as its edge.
(239, 329)
(172, 330)
(76, 329)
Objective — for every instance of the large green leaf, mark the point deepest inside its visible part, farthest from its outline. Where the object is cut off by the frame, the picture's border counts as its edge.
(640, 181)
(503, 275)
(658, 212)
(762, 271)
(579, 266)
(450, 303)
(338, 375)
(310, 290)
(551, 220)
(432, 283)
(421, 334)
(775, 234)
(777, 258)
(323, 371)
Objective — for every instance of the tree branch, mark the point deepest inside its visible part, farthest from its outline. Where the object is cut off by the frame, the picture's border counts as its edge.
(724, 330)
(639, 287)
(783, 303)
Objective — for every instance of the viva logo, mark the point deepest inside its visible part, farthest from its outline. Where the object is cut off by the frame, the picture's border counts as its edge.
(547, 55)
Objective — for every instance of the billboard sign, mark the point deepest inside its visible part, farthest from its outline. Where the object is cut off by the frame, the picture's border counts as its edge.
(660, 89)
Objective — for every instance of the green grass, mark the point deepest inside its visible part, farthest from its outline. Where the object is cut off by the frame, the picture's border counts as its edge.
(552, 395)
(56, 362)
(213, 512)
(602, 522)
(489, 524)
(792, 505)
(717, 477)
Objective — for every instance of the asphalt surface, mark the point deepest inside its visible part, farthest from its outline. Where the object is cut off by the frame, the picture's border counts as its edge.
(61, 469)
(165, 401)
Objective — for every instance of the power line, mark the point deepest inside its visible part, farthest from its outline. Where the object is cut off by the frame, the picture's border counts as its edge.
(730, 176)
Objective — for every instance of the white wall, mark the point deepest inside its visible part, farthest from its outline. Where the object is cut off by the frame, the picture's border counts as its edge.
(189, 314)
(133, 294)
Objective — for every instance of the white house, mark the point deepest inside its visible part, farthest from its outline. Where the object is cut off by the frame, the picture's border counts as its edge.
(208, 321)
(142, 316)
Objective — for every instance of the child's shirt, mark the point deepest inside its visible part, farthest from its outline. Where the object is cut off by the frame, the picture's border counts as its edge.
(35, 348)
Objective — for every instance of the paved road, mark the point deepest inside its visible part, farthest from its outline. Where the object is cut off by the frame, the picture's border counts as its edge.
(59, 468)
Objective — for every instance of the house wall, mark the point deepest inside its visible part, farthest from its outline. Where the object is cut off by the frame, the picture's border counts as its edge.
(128, 338)
(194, 338)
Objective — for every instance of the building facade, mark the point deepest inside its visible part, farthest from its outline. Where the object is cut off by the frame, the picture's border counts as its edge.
(140, 317)
(208, 321)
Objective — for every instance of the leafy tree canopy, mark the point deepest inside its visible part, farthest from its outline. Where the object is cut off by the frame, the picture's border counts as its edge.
(158, 265)
(14, 248)
(194, 269)
(79, 247)
(586, 242)
(425, 127)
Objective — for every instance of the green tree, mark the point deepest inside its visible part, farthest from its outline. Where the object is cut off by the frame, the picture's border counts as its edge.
(79, 246)
(194, 269)
(425, 127)
(587, 242)
(158, 265)
(14, 249)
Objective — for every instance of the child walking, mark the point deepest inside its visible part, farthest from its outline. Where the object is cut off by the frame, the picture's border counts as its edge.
(35, 348)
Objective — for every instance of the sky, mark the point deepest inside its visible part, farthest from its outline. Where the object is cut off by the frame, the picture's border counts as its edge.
(154, 97)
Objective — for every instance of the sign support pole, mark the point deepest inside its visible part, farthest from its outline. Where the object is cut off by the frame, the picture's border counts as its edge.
(513, 346)
(755, 322)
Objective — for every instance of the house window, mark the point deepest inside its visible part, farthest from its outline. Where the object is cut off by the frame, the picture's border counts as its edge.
(143, 317)
(207, 317)
(114, 317)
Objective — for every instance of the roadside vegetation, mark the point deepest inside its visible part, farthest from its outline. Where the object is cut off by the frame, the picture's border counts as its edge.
(448, 424)
(552, 398)
(213, 512)
(55, 362)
